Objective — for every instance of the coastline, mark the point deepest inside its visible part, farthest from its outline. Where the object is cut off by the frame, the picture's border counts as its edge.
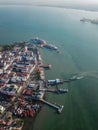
(75, 7)
(11, 48)
(83, 8)
(29, 122)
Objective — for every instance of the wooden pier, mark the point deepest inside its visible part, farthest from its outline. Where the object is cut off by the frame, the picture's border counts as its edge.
(58, 107)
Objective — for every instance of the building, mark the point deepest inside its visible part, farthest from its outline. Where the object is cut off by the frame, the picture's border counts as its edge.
(2, 109)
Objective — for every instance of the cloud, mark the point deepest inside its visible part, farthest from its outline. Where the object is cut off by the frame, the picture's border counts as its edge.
(49, 1)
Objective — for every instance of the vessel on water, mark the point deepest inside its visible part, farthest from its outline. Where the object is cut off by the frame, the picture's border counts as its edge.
(42, 43)
(63, 90)
(55, 81)
(50, 46)
(85, 20)
(93, 21)
(38, 41)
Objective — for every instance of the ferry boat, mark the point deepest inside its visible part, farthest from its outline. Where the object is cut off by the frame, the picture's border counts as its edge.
(55, 81)
(50, 46)
(94, 21)
(63, 90)
(85, 20)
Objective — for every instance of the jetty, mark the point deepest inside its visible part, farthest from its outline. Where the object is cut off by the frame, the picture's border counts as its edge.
(58, 107)
(62, 81)
(62, 91)
(46, 66)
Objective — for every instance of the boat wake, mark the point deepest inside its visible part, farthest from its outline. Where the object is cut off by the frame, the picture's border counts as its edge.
(86, 74)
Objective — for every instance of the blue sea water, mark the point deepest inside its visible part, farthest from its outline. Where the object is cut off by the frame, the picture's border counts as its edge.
(78, 45)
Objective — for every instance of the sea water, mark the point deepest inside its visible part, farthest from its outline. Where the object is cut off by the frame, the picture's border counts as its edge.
(78, 46)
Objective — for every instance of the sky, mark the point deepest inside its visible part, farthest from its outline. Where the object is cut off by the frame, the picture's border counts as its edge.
(50, 1)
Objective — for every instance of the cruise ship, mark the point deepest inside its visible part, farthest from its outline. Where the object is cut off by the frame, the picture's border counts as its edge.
(38, 41)
(42, 43)
(50, 46)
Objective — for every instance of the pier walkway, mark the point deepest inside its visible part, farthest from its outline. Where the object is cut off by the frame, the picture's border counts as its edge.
(59, 108)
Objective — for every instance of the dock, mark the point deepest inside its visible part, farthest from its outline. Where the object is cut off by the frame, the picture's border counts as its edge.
(58, 91)
(46, 66)
(58, 107)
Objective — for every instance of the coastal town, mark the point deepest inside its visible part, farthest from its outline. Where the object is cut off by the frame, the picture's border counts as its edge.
(22, 81)
(23, 84)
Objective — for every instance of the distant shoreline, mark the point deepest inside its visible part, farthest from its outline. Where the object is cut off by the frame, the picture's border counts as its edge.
(84, 8)
(71, 7)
